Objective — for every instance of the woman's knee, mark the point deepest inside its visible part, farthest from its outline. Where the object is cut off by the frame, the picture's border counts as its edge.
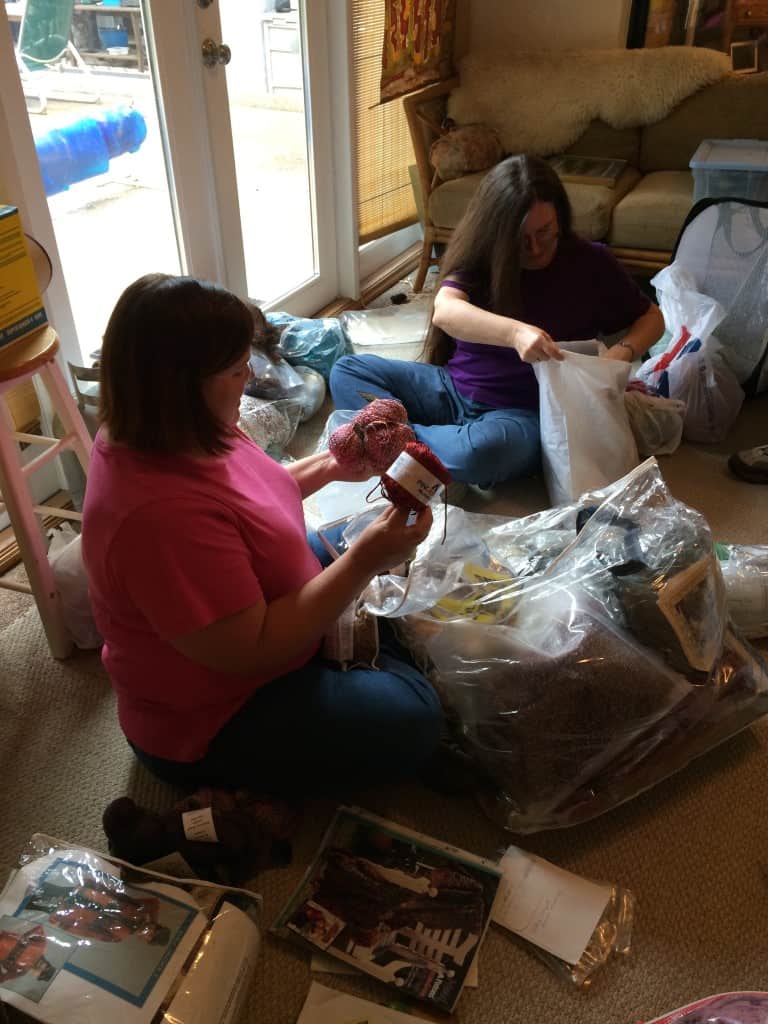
(509, 450)
(345, 377)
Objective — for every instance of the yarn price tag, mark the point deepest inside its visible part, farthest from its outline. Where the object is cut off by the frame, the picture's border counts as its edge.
(414, 478)
(198, 825)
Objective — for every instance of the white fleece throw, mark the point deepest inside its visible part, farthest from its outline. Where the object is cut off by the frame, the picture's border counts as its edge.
(541, 103)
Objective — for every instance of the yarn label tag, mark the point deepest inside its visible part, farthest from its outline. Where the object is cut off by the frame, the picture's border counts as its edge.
(414, 478)
(556, 910)
(198, 825)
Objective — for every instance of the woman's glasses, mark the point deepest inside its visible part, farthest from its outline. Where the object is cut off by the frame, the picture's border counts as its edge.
(541, 240)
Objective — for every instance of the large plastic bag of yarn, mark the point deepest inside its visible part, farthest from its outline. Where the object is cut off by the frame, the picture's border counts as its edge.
(586, 652)
(271, 425)
(317, 343)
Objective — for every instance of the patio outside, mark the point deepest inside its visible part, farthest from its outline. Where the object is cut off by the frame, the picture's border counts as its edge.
(113, 227)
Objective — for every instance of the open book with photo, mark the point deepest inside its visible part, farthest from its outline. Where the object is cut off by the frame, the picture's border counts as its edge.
(400, 906)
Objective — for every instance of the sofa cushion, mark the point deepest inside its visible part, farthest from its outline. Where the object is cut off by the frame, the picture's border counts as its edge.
(448, 201)
(734, 108)
(600, 139)
(651, 215)
(592, 205)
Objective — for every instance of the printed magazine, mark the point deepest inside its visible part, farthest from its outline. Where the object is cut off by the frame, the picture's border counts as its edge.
(400, 906)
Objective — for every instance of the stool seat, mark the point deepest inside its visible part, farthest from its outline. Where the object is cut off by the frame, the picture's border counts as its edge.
(26, 355)
(33, 358)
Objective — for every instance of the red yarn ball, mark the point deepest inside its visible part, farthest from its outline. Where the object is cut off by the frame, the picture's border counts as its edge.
(426, 489)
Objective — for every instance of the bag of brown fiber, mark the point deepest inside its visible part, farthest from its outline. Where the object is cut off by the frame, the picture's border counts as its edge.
(465, 149)
(599, 674)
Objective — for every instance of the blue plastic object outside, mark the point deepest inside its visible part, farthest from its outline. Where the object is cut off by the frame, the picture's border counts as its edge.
(84, 148)
(113, 37)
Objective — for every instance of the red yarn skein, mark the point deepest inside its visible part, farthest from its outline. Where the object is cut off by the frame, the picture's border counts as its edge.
(419, 488)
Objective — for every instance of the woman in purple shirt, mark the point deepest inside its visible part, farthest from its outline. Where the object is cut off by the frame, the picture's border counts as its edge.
(515, 281)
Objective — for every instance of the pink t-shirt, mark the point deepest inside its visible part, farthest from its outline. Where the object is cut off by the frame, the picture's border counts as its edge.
(172, 544)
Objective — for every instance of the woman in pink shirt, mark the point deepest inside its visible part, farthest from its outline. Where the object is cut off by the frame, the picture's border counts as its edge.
(210, 598)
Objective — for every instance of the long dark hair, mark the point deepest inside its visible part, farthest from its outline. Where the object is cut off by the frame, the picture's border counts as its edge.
(486, 244)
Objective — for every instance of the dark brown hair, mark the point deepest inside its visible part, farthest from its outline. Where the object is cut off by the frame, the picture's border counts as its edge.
(165, 336)
(485, 246)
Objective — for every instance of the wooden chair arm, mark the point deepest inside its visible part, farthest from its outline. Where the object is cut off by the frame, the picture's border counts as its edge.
(424, 130)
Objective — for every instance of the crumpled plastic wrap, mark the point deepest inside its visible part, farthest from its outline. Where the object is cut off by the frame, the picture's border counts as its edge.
(88, 938)
(612, 937)
(725, 1008)
(585, 651)
(745, 572)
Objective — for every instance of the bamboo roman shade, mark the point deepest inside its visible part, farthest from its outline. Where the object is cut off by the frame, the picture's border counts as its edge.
(384, 151)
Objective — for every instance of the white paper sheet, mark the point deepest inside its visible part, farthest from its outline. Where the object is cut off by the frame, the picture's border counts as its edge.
(554, 909)
(328, 1006)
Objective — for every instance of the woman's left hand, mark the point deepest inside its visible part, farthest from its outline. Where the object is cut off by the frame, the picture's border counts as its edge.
(351, 476)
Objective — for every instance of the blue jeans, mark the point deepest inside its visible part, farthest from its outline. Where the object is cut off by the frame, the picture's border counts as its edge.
(319, 729)
(476, 443)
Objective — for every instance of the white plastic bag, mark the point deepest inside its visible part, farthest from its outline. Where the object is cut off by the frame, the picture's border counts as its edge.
(657, 423)
(65, 556)
(586, 440)
(713, 397)
(692, 369)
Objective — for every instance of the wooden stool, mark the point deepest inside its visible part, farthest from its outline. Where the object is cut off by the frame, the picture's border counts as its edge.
(30, 358)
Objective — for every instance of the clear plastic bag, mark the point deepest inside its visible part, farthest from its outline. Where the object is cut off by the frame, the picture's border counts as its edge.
(656, 422)
(580, 452)
(66, 558)
(273, 378)
(271, 424)
(316, 343)
(745, 573)
(340, 497)
(580, 682)
(88, 938)
(571, 923)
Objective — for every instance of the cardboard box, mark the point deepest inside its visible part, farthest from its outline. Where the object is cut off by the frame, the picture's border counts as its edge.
(21, 307)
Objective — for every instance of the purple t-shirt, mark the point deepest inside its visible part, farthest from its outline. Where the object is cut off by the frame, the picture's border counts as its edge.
(583, 293)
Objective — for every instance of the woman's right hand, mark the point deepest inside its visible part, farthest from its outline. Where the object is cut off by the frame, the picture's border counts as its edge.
(534, 345)
(390, 539)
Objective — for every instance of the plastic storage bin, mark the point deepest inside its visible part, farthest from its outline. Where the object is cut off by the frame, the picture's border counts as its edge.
(737, 168)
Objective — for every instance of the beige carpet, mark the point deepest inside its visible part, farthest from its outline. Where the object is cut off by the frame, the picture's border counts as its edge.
(694, 850)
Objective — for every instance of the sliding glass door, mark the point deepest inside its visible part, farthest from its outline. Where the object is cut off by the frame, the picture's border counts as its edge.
(188, 136)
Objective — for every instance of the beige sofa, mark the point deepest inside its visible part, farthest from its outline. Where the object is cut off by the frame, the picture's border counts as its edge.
(639, 217)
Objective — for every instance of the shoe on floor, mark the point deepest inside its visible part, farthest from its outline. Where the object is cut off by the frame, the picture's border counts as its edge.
(751, 464)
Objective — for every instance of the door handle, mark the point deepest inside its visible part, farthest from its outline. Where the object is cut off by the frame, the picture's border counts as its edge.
(214, 53)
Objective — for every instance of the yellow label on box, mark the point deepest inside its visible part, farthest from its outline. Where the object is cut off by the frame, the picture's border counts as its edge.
(21, 308)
